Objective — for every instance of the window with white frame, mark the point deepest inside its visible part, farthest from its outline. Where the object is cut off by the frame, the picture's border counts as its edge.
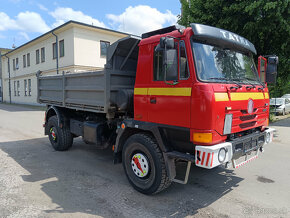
(61, 48)
(104, 47)
(24, 61)
(54, 51)
(18, 88)
(29, 87)
(42, 55)
(37, 56)
(17, 64)
(25, 87)
(15, 91)
(28, 59)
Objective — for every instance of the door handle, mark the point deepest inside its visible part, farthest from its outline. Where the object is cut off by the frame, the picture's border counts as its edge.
(153, 100)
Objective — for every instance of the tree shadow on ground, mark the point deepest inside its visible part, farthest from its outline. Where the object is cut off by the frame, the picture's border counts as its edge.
(84, 180)
(20, 107)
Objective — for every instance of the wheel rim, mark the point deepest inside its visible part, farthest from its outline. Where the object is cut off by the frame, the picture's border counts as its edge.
(53, 134)
(140, 165)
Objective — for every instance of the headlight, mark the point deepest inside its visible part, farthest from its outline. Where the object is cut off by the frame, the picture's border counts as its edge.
(222, 155)
(268, 137)
(228, 124)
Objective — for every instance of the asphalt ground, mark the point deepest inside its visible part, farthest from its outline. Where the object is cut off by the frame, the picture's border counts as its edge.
(36, 181)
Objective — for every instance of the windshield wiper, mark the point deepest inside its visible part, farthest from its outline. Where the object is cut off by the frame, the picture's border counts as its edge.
(226, 79)
(261, 83)
(248, 80)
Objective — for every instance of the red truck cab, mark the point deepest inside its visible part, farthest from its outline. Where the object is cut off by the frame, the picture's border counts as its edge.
(215, 96)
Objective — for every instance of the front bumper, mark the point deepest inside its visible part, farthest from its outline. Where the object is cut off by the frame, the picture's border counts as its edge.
(208, 156)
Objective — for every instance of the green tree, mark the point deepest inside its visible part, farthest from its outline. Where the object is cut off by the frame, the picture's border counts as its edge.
(265, 23)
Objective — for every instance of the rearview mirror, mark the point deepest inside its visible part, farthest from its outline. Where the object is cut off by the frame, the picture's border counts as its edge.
(171, 65)
(271, 70)
(267, 68)
(168, 42)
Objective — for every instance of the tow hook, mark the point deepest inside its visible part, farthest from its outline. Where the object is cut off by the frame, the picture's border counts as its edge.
(198, 158)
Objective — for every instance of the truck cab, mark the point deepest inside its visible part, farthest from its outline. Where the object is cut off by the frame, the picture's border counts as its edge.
(201, 85)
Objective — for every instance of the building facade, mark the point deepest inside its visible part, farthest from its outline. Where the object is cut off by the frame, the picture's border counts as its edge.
(70, 48)
(3, 51)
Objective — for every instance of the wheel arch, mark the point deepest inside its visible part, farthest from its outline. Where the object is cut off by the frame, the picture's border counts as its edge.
(54, 111)
(135, 127)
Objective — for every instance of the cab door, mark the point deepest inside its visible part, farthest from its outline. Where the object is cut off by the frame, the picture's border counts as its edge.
(169, 99)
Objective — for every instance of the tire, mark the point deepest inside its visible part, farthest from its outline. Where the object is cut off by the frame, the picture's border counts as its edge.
(144, 146)
(61, 139)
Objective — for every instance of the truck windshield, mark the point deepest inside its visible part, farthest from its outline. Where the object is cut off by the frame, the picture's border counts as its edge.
(214, 64)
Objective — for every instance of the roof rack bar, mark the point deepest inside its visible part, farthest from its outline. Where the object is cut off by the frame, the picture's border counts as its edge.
(159, 31)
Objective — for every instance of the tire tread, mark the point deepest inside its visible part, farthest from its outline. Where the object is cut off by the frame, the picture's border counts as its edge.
(64, 134)
(165, 181)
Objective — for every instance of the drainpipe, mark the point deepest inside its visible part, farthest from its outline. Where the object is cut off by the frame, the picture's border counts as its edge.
(56, 47)
(9, 84)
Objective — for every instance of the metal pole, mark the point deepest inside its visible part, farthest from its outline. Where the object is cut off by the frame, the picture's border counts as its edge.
(9, 83)
(56, 47)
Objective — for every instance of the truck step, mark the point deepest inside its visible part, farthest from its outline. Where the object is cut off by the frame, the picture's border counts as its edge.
(180, 155)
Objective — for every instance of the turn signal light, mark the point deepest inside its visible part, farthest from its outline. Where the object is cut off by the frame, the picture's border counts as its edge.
(202, 137)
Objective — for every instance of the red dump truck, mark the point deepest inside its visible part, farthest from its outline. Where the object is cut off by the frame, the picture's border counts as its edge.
(175, 94)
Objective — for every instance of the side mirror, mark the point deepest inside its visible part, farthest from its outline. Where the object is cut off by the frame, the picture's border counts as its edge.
(168, 42)
(271, 70)
(267, 68)
(171, 65)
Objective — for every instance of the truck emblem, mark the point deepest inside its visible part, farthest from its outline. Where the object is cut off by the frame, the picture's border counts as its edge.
(234, 37)
(250, 106)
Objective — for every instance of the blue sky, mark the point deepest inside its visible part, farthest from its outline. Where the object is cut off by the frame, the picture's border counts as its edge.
(23, 20)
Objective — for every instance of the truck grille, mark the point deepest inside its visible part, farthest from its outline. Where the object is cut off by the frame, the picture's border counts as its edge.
(247, 117)
(247, 125)
(242, 120)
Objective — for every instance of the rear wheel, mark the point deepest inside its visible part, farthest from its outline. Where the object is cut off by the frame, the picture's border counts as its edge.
(144, 164)
(61, 139)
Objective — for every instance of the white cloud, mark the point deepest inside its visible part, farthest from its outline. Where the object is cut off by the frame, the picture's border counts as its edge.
(24, 35)
(140, 19)
(25, 21)
(63, 15)
(42, 7)
(6, 22)
(31, 22)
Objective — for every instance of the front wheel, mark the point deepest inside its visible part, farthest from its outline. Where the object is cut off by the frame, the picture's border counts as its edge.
(61, 139)
(144, 164)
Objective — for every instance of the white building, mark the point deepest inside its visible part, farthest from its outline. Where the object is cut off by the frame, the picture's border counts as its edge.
(2, 51)
(69, 48)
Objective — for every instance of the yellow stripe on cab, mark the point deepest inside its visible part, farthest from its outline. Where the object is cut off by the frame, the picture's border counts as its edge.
(240, 96)
(140, 91)
(163, 91)
(221, 96)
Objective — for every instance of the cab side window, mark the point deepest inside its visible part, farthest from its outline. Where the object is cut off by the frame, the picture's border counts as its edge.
(183, 65)
(158, 69)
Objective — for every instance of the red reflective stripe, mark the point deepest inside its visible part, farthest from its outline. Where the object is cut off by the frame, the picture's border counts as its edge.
(211, 159)
(203, 156)
(207, 159)
(197, 161)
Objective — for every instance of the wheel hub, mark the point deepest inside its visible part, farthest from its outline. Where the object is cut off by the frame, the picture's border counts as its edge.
(140, 165)
(53, 134)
